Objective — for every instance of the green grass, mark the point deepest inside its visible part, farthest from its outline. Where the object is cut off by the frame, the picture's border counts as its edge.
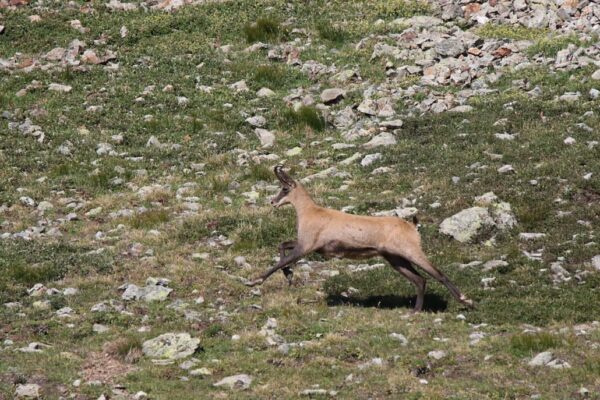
(550, 46)
(333, 34)
(304, 117)
(401, 8)
(149, 219)
(263, 30)
(527, 344)
(514, 32)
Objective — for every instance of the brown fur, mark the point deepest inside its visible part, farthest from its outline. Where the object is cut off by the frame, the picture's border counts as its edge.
(337, 234)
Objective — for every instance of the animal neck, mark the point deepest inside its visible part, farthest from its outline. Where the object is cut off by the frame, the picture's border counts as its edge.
(302, 202)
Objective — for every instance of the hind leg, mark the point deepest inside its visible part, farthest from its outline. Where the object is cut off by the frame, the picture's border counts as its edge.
(403, 266)
(417, 257)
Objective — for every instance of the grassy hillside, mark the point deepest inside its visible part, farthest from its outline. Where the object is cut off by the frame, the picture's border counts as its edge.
(144, 164)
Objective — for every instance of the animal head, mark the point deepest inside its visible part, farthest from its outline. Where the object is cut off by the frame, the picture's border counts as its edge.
(288, 188)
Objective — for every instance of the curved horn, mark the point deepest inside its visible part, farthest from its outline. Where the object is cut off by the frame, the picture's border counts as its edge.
(282, 176)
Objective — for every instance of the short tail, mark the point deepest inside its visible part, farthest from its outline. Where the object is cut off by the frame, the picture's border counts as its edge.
(415, 220)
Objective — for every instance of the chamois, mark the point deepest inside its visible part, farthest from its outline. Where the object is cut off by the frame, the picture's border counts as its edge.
(333, 233)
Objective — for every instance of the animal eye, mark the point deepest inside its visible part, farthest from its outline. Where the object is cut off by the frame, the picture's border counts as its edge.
(286, 189)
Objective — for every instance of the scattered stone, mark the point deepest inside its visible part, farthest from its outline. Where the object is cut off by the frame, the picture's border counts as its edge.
(399, 337)
(28, 391)
(293, 151)
(37, 290)
(466, 224)
(531, 235)
(172, 346)
(506, 169)
(596, 262)
(494, 264)
(155, 290)
(266, 138)
(370, 159)
(34, 347)
(392, 124)
(257, 121)
(332, 96)
(461, 109)
(350, 160)
(239, 382)
(570, 97)
(547, 358)
(57, 87)
(437, 354)
(450, 48)
(99, 328)
(318, 392)
(239, 86)
(265, 92)
(383, 139)
(201, 372)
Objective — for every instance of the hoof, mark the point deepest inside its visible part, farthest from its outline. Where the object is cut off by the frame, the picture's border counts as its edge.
(466, 301)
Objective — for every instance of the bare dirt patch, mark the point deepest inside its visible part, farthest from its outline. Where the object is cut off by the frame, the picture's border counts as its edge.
(104, 368)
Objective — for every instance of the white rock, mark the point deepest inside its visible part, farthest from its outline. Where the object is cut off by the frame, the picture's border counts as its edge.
(370, 159)
(541, 359)
(466, 224)
(29, 391)
(241, 382)
(265, 92)
(27, 201)
(329, 96)
(461, 109)
(257, 121)
(569, 140)
(37, 290)
(570, 96)
(393, 124)
(266, 138)
(506, 169)
(239, 86)
(383, 139)
(437, 354)
(99, 328)
(293, 151)
(57, 87)
(596, 262)
(351, 159)
(201, 372)
(596, 75)
(399, 337)
(531, 235)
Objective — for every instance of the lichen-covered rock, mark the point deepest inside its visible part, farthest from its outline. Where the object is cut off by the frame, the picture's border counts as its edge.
(171, 346)
(467, 224)
(503, 215)
(146, 293)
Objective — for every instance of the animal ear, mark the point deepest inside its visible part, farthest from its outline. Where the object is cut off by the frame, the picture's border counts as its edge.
(283, 177)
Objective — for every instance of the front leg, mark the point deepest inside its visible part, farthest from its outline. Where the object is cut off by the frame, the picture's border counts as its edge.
(296, 254)
(287, 271)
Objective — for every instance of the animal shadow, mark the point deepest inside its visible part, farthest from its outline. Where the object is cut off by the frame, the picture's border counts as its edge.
(432, 303)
